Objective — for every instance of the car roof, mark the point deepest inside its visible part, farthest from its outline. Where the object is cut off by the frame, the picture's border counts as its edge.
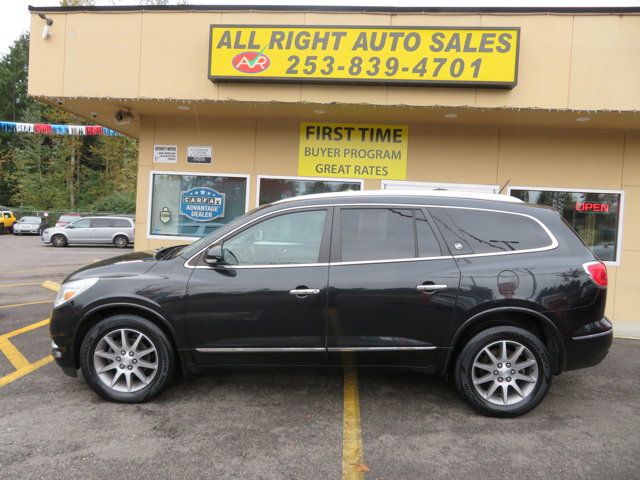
(351, 194)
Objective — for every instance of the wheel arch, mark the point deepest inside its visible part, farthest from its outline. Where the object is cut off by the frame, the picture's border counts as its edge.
(537, 323)
(103, 311)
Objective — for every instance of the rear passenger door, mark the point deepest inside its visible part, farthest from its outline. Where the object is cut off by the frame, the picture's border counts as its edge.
(392, 287)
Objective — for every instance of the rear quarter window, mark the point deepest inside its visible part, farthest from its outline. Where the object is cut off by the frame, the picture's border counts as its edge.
(121, 223)
(489, 231)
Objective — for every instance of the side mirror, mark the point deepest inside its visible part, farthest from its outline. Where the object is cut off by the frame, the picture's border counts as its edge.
(213, 254)
(70, 226)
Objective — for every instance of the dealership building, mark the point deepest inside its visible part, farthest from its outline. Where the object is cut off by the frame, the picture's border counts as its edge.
(235, 107)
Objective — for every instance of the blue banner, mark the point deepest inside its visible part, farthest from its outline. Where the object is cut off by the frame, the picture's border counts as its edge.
(202, 204)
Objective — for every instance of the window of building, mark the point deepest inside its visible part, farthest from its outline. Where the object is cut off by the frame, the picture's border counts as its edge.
(286, 239)
(485, 231)
(456, 187)
(194, 205)
(594, 215)
(271, 189)
(376, 234)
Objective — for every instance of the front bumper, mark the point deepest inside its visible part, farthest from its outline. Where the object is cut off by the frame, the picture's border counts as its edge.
(589, 348)
(64, 320)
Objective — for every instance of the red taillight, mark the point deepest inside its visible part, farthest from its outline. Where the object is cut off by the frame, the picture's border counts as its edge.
(598, 272)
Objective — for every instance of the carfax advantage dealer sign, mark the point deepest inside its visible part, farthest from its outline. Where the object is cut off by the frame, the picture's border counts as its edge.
(455, 56)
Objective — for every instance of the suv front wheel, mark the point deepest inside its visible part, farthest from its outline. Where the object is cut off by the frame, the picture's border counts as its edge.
(503, 371)
(126, 358)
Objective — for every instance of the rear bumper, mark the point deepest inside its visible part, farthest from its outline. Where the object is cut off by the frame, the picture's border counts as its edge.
(587, 350)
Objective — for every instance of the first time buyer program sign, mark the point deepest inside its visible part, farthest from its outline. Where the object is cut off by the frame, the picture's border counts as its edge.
(347, 150)
(455, 56)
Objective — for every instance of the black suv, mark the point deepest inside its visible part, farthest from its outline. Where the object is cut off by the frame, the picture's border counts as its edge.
(499, 294)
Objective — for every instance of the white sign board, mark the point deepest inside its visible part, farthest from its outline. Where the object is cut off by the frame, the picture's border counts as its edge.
(199, 154)
(165, 154)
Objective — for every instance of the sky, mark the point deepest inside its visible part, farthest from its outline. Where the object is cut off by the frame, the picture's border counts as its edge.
(15, 18)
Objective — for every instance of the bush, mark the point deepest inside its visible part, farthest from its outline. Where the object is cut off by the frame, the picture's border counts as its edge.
(117, 202)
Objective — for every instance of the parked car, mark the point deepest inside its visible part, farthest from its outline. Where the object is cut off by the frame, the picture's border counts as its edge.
(32, 225)
(66, 218)
(116, 230)
(7, 219)
(497, 294)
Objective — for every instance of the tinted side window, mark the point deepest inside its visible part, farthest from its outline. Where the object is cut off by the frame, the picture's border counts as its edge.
(427, 242)
(84, 223)
(101, 222)
(286, 239)
(121, 223)
(493, 232)
(376, 234)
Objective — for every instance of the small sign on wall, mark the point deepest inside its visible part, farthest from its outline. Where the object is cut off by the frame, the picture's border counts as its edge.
(165, 154)
(199, 154)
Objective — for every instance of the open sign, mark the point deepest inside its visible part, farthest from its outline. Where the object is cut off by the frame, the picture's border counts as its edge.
(592, 207)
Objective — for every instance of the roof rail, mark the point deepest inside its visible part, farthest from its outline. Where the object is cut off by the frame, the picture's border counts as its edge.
(496, 197)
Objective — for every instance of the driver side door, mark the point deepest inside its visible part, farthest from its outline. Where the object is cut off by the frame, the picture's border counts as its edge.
(265, 302)
(79, 231)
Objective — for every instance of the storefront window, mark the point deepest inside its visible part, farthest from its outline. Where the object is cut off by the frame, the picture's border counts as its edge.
(595, 216)
(195, 205)
(273, 189)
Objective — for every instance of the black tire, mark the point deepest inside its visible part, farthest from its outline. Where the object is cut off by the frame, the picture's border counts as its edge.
(120, 241)
(463, 369)
(166, 358)
(59, 241)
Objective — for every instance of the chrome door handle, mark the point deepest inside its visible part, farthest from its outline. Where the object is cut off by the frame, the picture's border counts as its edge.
(304, 291)
(431, 288)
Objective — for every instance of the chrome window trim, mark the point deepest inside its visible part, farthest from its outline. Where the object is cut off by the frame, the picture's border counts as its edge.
(553, 245)
(593, 335)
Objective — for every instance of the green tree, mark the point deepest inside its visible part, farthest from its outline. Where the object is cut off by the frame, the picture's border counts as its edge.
(57, 172)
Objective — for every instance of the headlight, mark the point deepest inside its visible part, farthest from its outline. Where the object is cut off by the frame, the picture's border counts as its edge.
(73, 289)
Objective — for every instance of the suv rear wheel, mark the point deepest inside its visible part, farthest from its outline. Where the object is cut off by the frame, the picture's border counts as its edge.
(503, 371)
(126, 358)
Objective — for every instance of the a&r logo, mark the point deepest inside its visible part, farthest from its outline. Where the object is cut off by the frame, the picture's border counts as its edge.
(251, 62)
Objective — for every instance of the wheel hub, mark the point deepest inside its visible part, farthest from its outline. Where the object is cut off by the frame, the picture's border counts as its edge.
(125, 360)
(505, 372)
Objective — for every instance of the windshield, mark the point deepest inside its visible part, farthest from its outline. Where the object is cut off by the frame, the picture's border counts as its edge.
(29, 220)
(190, 250)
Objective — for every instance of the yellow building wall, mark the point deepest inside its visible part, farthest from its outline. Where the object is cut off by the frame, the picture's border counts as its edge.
(594, 159)
(566, 61)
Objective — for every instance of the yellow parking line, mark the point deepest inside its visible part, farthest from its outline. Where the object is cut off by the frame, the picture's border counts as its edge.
(13, 354)
(26, 329)
(25, 304)
(7, 285)
(353, 467)
(49, 285)
(20, 363)
(7, 379)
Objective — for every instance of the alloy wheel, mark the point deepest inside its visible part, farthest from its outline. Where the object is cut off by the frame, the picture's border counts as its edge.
(505, 372)
(121, 242)
(125, 360)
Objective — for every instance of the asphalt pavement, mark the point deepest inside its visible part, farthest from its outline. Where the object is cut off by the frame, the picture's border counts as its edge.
(288, 424)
